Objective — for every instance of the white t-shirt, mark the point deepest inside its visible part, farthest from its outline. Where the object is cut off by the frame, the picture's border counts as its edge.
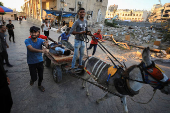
(46, 27)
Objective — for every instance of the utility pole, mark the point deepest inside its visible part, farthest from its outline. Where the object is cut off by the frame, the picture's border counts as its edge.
(62, 10)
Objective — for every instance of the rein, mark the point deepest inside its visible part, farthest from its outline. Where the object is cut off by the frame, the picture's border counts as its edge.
(144, 69)
(93, 83)
(147, 101)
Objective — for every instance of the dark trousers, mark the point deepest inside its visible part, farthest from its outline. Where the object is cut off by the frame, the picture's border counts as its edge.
(94, 48)
(5, 94)
(34, 68)
(6, 100)
(5, 56)
(46, 33)
(11, 34)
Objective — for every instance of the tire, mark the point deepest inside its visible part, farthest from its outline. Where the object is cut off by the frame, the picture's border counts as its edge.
(47, 61)
(57, 73)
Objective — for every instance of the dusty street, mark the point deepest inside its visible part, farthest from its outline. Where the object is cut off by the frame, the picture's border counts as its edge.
(68, 96)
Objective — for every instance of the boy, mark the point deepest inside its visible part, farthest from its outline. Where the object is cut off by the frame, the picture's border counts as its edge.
(94, 41)
(46, 27)
(81, 26)
(34, 57)
(64, 39)
(57, 49)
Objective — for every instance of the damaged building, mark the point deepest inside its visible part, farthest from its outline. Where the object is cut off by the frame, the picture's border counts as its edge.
(160, 13)
(127, 14)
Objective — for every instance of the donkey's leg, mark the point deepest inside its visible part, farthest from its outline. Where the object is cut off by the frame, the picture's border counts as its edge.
(123, 101)
(87, 91)
(83, 84)
(108, 95)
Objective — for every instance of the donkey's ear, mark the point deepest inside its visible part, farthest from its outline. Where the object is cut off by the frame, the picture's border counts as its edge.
(146, 56)
(146, 52)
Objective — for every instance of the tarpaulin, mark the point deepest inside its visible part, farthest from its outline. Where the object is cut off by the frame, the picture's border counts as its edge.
(59, 13)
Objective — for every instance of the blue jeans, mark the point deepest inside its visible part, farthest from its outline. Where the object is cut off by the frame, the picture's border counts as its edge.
(78, 45)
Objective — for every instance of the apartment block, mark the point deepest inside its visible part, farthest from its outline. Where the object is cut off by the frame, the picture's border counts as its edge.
(160, 14)
(127, 14)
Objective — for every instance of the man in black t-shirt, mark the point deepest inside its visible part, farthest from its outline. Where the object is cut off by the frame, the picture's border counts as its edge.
(64, 23)
(10, 28)
(5, 94)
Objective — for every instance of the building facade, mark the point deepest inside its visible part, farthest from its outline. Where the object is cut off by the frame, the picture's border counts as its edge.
(113, 8)
(160, 13)
(95, 9)
(126, 14)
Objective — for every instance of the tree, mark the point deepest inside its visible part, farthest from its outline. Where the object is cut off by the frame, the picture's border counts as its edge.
(1, 4)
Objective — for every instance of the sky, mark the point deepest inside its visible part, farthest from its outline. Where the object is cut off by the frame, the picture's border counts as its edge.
(13, 4)
(122, 4)
(136, 4)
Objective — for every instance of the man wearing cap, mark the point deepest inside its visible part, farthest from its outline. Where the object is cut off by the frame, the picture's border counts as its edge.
(34, 57)
(64, 39)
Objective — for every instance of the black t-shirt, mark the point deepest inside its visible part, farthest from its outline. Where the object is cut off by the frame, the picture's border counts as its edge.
(10, 26)
(64, 23)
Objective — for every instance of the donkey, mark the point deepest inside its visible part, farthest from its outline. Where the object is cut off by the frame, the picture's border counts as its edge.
(126, 82)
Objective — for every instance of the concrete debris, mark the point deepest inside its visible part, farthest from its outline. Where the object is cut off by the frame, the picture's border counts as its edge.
(168, 56)
(163, 52)
(155, 46)
(139, 36)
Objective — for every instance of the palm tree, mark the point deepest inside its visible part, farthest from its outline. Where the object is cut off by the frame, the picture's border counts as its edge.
(1, 4)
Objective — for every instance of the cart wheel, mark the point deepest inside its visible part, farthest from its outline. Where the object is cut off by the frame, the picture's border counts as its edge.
(57, 74)
(47, 61)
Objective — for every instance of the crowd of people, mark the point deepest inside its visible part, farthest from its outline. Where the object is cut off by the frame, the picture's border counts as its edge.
(34, 44)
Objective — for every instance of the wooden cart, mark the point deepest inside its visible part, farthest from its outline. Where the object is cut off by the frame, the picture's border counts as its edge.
(59, 64)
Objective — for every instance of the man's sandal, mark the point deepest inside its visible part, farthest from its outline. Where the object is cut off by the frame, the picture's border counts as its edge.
(41, 88)
(31, 82)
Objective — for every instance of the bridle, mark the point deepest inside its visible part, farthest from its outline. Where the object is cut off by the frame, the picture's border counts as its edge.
(145, 75)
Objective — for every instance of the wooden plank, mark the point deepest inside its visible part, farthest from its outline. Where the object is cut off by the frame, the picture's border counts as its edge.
(141, 47)
(60, 57)
(122, 44)
(108, 35)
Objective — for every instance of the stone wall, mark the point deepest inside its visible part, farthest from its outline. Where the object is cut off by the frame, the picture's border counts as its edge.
(140, 24)
(34, 21)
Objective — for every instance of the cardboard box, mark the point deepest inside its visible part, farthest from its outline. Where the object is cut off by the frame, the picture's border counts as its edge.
(157, 43)
(127, 37)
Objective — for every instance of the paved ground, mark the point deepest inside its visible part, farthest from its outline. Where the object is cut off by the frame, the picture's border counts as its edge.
(68, 96)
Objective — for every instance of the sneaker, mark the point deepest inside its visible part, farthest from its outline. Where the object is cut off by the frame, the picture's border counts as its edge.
(9, 65)
(14, 41)
(81, 66)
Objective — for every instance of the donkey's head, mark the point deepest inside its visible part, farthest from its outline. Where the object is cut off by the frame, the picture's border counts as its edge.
(153, 75)
(146, 57)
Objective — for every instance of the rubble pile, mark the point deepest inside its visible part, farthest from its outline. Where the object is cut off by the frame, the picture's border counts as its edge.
(139, 36)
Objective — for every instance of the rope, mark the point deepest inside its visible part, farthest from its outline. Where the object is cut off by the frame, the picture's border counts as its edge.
(103, 48)
(99, 86)
(145, 102)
